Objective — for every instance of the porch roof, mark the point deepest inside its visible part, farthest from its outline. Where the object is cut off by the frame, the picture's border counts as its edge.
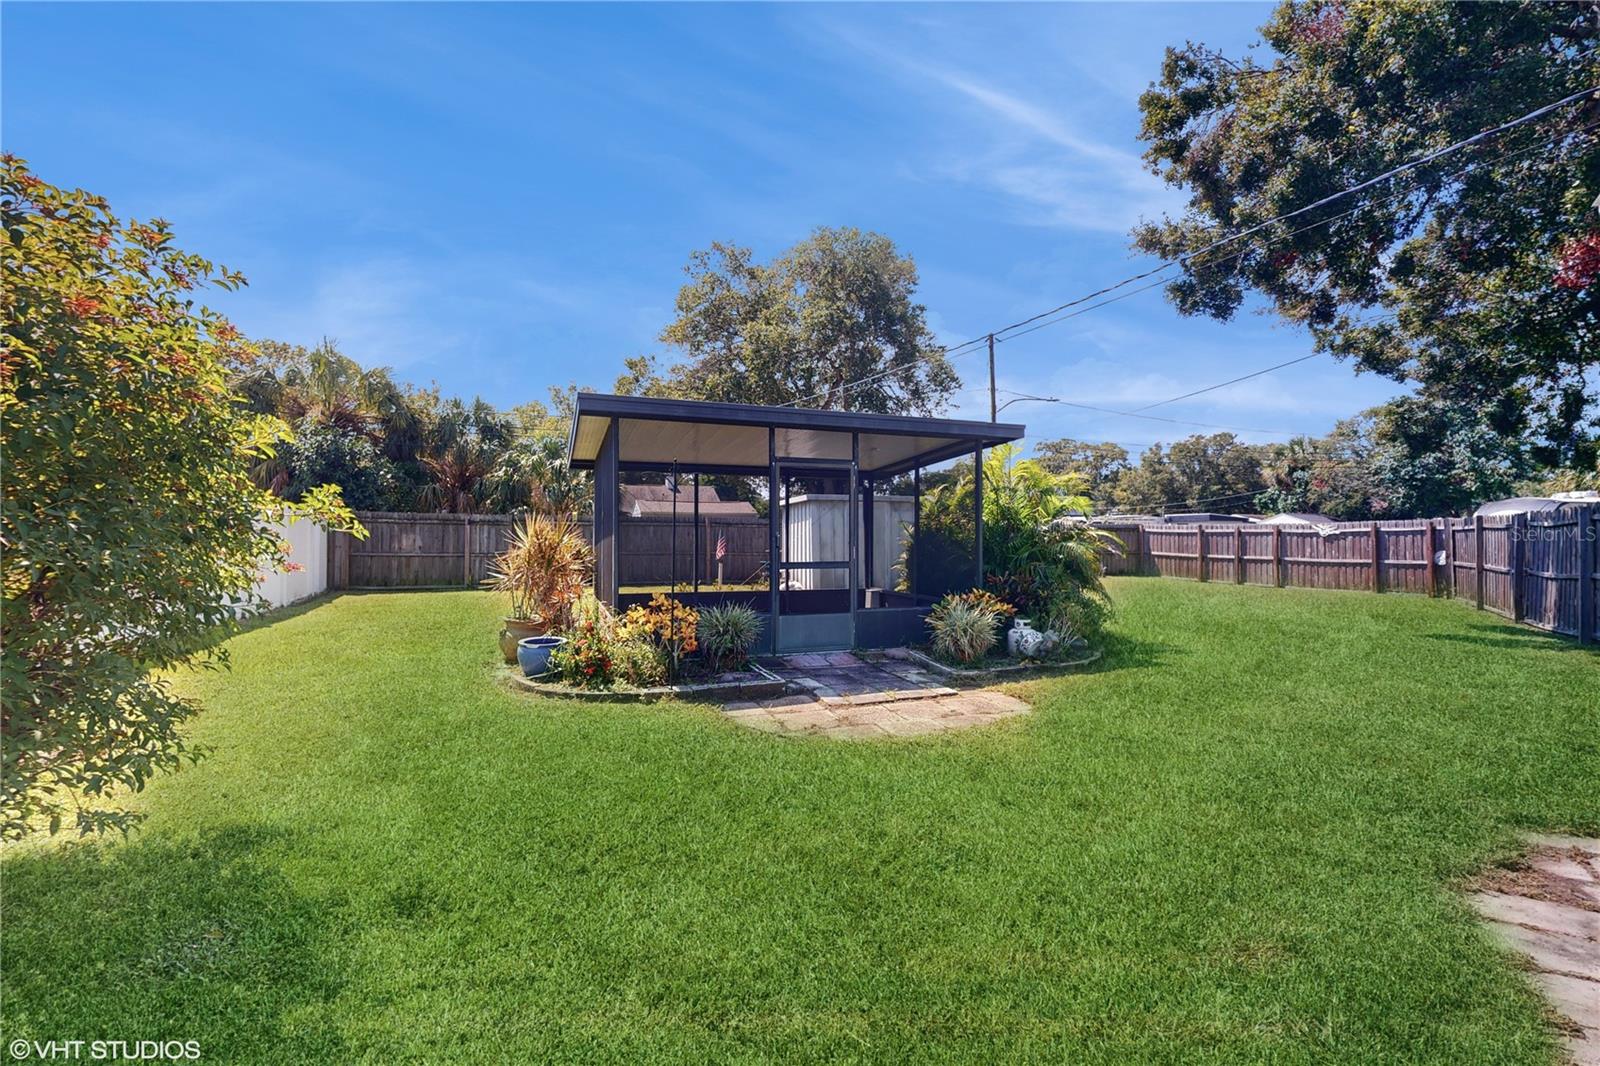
(734, 437)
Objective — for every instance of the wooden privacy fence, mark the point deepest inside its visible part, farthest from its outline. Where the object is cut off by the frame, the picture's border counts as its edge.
(456, 551)
(1536, 568)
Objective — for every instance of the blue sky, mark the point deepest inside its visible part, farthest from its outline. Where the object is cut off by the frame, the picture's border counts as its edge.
(499, 197)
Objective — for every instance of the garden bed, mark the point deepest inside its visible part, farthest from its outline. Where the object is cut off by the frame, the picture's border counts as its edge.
(751, 683)
(993, 668)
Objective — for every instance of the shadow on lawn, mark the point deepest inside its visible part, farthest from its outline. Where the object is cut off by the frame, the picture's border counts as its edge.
(155, 939)
(1507, 635)
(1120, 652)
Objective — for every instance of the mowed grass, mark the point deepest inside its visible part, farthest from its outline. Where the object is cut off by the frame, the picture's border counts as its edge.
(1239, 839)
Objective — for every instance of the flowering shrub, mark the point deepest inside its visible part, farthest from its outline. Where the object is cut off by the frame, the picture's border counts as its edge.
(666, 623)
(131, 527)
(639, 662)
(586, 659)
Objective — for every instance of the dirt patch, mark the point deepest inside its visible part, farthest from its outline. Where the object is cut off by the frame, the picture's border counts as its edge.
(1543, 874)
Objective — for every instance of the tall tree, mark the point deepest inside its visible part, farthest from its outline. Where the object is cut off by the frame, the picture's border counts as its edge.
(835, 310)
(1476, 276)
(131, 525)
(1098, 464)
(1199, 473)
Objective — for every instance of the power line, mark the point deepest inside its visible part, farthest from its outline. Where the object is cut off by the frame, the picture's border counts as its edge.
(1238, 256)
(1151, 418)
(1230, 381)
(1410, 165)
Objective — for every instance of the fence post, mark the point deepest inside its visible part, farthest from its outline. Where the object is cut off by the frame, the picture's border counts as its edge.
(1377, 561)
(466, 550)
(1477, 558)
(1238, 555)
(1200, 549)
(1519, 529)
(1588, 533)
(1450, 557)
(1277, 556)
(1430, 545)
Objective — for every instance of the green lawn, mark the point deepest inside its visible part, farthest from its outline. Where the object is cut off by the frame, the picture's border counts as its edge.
(1238, 839)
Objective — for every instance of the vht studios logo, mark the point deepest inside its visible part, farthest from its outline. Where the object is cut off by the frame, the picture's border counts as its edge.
(107, 1050)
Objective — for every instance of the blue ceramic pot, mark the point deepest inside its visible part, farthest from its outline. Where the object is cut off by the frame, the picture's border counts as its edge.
(533, 654)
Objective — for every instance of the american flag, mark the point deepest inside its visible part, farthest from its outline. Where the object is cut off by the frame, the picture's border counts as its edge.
(722, 546)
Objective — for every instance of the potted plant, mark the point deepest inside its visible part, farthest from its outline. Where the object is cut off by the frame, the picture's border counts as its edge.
(543, 569)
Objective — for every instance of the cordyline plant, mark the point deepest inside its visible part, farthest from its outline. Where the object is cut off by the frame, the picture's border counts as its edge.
(132, 534)
(544, 568)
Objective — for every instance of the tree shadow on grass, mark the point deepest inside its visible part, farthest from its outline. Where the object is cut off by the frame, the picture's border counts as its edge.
(200, 939)
(1121, 652)
(1508, 635)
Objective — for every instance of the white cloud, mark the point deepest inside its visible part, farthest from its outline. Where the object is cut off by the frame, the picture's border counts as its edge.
(1038, 157)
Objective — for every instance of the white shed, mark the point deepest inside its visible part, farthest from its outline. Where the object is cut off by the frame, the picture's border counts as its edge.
(814, 530)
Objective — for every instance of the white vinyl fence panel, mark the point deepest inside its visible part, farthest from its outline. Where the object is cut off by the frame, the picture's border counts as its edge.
(307, 575)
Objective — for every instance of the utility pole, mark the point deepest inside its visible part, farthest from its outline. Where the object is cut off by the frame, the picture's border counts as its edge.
(994, 412)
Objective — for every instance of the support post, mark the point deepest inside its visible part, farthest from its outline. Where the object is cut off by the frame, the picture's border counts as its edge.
(772, 535)
(977, 517)
(1238, 555)
(1277, 556)
(867, 553)
(1477, 559)
(1519, 547)
(694, 580)
(1430, 545)
(1200, 551)
(466, 550)
(1588, 532)
(1450, 556)
(1377, 556)
(605, 519)
(855, 532)
(916, 533)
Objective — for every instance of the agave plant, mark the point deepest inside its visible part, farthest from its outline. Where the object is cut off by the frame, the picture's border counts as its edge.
(544, 569)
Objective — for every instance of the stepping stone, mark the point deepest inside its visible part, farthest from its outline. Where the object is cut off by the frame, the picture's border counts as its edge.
(807, 719)
(1573, 996)
(1589, 844)
(1551, 951)
(787, 701)
(1551, 917)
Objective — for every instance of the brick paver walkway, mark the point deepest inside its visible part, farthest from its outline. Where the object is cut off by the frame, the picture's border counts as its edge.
(849, 699)
(1549, 911)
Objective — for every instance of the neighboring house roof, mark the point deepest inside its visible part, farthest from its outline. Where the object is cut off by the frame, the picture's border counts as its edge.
(643, 508)
(642, 500)
(1522, 505)
(633, 493)
(1297, 518)
(1205, 517)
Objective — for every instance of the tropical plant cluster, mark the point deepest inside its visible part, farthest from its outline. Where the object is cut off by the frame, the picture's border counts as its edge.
(1040, 560)
(650, 644)
(394, 447)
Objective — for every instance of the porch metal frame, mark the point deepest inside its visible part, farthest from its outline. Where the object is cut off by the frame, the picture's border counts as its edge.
(960, 438)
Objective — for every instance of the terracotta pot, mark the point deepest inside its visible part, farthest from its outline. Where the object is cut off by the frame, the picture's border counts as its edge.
(518, 629)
